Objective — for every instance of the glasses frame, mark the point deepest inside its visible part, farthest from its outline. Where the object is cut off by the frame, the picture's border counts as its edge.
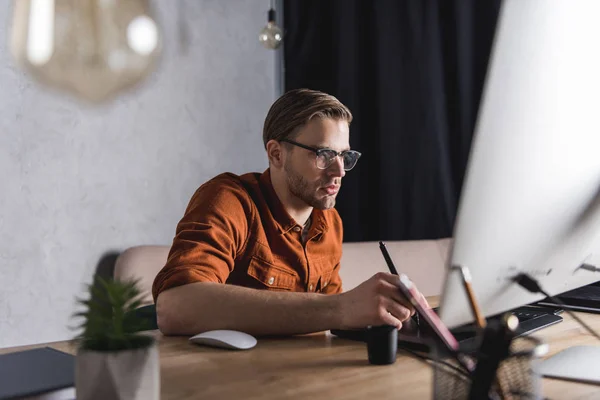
(318, 152)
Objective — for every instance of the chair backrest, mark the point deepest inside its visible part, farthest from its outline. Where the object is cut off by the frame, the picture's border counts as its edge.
(422, 260)
(142, 263)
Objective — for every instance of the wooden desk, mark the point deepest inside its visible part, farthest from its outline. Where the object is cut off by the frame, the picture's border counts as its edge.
(320, 366)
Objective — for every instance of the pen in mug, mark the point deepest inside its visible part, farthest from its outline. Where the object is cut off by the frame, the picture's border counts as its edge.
(466, 279)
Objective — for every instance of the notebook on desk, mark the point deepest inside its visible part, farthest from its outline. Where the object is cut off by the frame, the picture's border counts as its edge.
(42, 373)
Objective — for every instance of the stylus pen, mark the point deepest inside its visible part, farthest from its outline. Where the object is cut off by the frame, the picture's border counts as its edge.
(388, 259)
(466, 278)
(392, 268)
(452, 349)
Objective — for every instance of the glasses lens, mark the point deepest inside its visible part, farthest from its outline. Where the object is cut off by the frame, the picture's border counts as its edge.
(350, 159)
(325, 158)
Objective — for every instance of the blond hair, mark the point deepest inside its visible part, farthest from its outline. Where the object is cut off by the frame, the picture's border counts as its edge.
(296, 108)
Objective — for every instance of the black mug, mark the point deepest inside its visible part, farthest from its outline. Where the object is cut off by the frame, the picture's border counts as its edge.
(382, 344)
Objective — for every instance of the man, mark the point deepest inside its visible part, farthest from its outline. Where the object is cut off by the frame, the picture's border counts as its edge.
(260, 253)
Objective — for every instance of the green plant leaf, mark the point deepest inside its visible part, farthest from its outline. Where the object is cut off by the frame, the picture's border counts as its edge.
(110, 322)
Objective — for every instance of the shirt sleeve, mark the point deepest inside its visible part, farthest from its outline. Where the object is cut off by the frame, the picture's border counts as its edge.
(213, 230)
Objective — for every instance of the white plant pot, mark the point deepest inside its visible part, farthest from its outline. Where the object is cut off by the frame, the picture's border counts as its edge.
(127, 374)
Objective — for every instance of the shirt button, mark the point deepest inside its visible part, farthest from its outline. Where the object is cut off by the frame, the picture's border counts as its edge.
(310, 288)
(296, 229)
(271, 280)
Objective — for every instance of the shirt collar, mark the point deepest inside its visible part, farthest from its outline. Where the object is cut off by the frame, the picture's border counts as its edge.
(281, 216)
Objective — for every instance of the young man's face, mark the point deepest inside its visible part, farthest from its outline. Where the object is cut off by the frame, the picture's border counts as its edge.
(316, 187)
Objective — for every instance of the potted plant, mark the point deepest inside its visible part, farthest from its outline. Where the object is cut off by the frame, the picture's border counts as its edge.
(114, 360)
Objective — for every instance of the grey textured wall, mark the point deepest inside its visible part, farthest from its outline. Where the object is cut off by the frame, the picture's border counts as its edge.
(77, 182)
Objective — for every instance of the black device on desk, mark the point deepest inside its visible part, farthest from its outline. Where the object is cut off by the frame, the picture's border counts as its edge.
(585, 298)
(37, 372)
(531, 318)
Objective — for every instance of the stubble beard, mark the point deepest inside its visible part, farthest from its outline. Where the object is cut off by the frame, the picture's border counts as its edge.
(303, 190)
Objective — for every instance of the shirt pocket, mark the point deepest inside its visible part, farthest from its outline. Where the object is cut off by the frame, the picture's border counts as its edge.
(324, 280)
(324, 272)
(271, 276)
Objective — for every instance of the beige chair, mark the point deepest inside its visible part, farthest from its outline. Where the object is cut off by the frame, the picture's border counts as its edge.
(143, 263)
(422, 260)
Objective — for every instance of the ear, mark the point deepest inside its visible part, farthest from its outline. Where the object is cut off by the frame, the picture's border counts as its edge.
(275, 153)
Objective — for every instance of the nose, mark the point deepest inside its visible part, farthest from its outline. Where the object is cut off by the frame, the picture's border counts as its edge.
(337, 167)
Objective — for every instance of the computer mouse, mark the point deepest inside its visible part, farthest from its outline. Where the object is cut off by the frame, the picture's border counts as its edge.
(225, 339)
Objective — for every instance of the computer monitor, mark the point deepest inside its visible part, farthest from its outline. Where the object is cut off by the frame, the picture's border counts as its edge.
(530, 202)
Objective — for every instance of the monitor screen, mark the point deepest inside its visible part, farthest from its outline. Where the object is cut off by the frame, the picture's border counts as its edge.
(530, 202)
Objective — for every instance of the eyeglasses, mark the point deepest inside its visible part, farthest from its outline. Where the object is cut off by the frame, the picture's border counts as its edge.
(325, 157)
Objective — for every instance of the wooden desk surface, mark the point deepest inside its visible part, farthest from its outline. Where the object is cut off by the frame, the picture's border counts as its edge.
(321, 366)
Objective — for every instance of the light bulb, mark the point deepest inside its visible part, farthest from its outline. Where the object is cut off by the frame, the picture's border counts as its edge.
(91, 48)
(271, 35)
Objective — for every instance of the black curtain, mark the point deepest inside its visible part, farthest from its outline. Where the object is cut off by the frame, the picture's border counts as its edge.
(412, 73)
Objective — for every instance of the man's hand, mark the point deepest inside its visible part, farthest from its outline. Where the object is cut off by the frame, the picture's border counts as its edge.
(377, 301)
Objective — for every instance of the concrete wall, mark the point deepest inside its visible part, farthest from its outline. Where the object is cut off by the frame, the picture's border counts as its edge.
(79, 182)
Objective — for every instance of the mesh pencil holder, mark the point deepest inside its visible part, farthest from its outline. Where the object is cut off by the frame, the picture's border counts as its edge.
(516, 376)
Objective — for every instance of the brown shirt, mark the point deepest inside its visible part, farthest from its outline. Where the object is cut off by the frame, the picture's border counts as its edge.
(236, 231)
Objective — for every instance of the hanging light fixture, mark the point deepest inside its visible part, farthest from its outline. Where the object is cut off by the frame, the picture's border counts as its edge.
(271, 35)
(91, 48)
